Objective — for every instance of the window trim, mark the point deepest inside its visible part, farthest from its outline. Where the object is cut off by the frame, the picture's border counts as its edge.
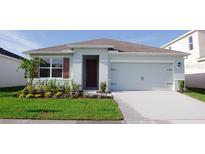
(51, 68)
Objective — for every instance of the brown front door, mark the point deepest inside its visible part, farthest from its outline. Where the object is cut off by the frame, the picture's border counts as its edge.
(91, 73)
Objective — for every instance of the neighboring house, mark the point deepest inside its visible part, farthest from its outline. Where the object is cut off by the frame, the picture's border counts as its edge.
(10, 75)
(192, 42)
(123, 65)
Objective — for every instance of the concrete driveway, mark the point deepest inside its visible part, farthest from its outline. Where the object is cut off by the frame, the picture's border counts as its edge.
(159, 107)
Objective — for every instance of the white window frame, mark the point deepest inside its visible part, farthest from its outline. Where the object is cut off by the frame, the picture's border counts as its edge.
(51, 68)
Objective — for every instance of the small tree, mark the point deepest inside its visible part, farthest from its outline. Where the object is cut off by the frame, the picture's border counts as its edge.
(103, 86)
(30, 68)
(181, 85)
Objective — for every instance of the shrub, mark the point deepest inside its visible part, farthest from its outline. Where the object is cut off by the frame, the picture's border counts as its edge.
(48, 94)
(29, 96)
(47, 86)
(29, 89)
(58, 94)
(51, 88)
(67, 87)
(38, 95)
(77, 94)
(40, 86)
(24, 91)
(66, 95)
(103, 86)
(18, 93)
(181, 85)
(52, 85)
(74, 86)
(22, 95)
(80, 93)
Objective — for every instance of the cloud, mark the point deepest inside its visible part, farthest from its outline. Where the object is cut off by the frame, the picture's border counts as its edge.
(16, 42)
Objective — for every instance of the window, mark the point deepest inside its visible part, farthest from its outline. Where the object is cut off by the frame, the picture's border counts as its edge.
(57, 67)
(190, 43)
(51, 67)
(170, 48)
(45, 68)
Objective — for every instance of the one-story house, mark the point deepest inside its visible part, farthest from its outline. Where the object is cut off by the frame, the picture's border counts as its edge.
(123, 65)
(10, 75)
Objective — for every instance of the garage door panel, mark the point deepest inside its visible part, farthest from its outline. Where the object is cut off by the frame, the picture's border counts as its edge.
(141, 76)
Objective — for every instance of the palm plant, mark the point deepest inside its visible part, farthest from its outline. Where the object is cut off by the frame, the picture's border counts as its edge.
(29, 66)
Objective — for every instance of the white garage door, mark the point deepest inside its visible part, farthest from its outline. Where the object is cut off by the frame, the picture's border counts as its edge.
(141, 76)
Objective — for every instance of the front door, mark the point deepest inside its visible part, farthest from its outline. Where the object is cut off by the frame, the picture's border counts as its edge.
(91, 73)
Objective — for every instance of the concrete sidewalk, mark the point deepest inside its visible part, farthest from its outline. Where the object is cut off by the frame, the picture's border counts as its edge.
(25, 121)
(19, 121)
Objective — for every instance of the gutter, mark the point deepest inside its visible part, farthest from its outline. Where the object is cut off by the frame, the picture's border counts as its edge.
(49, 52)
(146, 53)
(201, 59)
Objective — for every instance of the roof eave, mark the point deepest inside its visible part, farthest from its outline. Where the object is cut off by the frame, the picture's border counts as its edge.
(201, 59)
(146, 53)
(49, 52)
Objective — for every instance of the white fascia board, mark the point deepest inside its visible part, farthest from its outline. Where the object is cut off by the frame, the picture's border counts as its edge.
(51, 56)
(201, 59)
(142, 61)
(178, 38)
(49, 52)
(144, 53)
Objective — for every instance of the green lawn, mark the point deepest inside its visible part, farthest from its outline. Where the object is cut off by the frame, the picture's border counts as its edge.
(72, 109)
(196, 93)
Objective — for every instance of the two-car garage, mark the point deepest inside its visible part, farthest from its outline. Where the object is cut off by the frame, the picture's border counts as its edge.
(141, 76)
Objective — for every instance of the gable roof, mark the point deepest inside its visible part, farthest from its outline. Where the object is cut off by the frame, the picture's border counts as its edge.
(181, 37)
(121, 46)
(10, 54)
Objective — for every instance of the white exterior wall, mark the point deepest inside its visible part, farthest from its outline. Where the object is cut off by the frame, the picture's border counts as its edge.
(192, 66)
(78, 64)
(201, 43)
(178, 72)
(10, 75)
(105, 60)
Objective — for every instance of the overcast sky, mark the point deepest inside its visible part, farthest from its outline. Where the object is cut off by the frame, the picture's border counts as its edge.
(19, 41)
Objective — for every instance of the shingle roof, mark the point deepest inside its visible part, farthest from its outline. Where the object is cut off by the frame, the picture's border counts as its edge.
(10, 54)
(121, 46)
